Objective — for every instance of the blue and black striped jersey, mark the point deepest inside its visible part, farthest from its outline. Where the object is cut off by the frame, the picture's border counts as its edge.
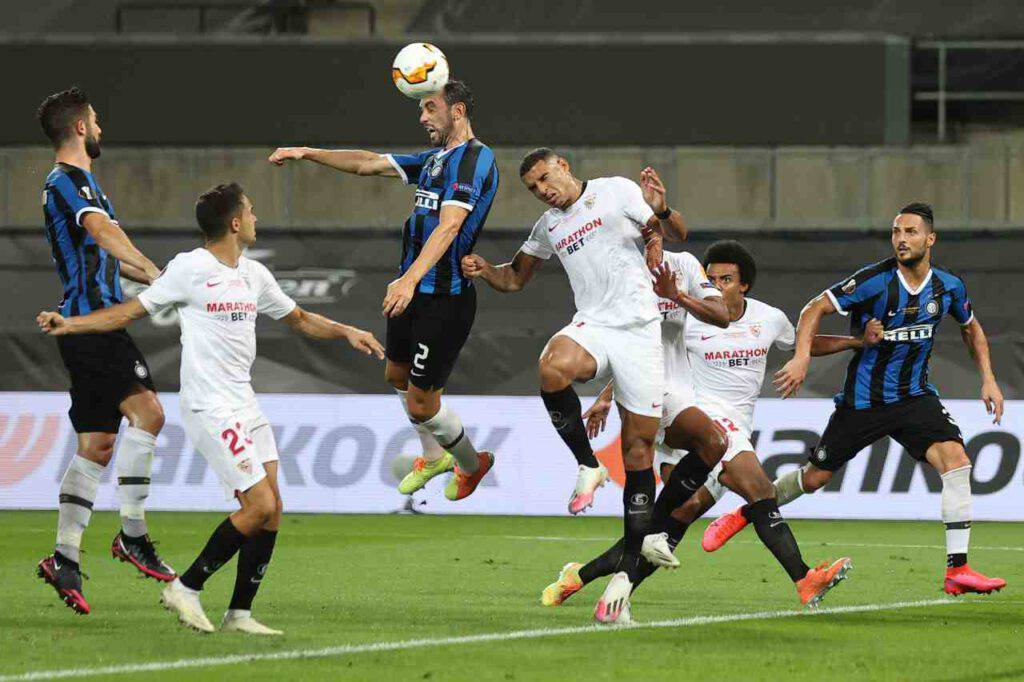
(897, 368)
(90, 276)
(465, 176)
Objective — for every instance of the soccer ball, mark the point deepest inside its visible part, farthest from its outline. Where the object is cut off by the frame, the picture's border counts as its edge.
(419, 70)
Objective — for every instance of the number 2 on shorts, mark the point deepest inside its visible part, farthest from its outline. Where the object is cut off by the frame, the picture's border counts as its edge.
(417, 360)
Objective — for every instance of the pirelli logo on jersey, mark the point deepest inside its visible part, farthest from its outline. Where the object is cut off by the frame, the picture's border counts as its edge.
(426, 199)
(913, 333)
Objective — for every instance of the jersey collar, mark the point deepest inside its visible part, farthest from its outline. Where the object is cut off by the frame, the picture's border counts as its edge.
(920, 287)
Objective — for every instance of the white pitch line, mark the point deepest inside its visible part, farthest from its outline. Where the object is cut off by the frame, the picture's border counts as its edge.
(374, 647)
(552, 538)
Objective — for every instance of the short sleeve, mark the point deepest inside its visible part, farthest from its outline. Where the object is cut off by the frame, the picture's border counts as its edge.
(699, 286)
(409, 165)
(960, 306)
(170, 288)
(785, 334)
(854, 290)
(538, 244)
(270, 300)
(77, 198)
(467, 185)
(633, 204)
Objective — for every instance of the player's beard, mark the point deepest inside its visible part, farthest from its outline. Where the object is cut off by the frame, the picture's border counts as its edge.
(444, 134)
(912, 259)
(92, 147)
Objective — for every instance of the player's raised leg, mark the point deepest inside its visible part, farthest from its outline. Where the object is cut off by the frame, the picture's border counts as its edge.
(433, 461)
(134, 464)
(562, 362)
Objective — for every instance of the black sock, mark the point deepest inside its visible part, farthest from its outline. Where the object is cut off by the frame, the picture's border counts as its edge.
(253, 558)
(602, 565)
(956, 560)
(686, 479)
(567, 417)
(777, 537)
(638, 504)
(221, 546)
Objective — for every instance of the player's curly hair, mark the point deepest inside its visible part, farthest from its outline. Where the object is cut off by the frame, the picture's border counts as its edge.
(59, 112)
(731, 251)
(919, 208)
(216, 207)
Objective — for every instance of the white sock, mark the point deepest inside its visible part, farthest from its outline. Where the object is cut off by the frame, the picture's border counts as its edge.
(956, 511)
(447, 429)
(77, 493)
(133, 467)
(432, 450)
(788, 487)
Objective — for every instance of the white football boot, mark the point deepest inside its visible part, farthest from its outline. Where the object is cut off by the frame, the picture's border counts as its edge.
(613, 606)
(588, 480)
(656, 550)
(185, 602)
(242, 621)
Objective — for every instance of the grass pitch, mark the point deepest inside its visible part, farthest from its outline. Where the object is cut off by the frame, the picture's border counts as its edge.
(352, 593)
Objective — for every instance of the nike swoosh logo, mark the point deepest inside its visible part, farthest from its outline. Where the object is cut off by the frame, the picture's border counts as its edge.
(655, 405)
(772, 525)
(215, 284)
(56, 565)
(705, 338)
(891, 314)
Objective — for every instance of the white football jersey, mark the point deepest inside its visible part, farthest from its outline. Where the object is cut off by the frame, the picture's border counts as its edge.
(217, 306)
(728, 364)
(598, 241)
(692, 280)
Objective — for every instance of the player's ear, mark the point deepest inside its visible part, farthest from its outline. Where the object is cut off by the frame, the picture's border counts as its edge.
(563, 164)
(930, 239)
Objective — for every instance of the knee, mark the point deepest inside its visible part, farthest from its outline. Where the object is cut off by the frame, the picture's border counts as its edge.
(953, 458)
(638, 453)
(812, 478)
(716, 446)
(264, 510)
(98, 450)
(150, 417)
(556, 372)
(422, 407)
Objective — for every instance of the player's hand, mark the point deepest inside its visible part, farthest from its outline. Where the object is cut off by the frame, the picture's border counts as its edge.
(282, 154)
(597, 415)
(53, 324)
(665, 282)
(873, 333)
(653, 190)
(366, 343)
(473, 265)
(789, 379)
(993, 399)
(399, 295)
(653, 252)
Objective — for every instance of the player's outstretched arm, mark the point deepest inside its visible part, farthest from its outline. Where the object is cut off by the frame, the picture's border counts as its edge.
(653, 189)
(711, 310)
(977, 345)
(507, 277)
(789, 379)
(111, 238)
(106, 320)
(827, 344)
(355, 161)
(320, 327)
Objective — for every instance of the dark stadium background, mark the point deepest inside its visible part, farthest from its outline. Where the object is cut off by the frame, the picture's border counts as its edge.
(799, 129)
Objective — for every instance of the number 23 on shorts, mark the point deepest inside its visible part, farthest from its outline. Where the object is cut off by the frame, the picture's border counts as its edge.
(236, 439)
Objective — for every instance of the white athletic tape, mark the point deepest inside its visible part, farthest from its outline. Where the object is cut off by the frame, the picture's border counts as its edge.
(348, 649)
